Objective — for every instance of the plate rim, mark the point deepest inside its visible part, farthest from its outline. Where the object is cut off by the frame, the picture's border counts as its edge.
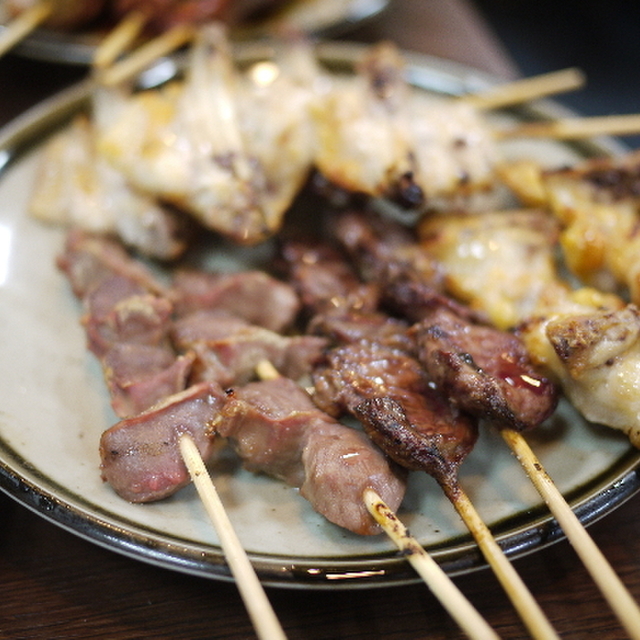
(592, 501)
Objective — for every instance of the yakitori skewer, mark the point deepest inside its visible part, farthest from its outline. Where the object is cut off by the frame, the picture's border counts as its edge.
(460, 609)
(612, 588)
(578, 127)
(255, 599)
(24, 24)
(530, 612)
(527, 89)
(115, 43)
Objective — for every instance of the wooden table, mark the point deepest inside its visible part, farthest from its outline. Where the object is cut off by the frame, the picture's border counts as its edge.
(56, 585)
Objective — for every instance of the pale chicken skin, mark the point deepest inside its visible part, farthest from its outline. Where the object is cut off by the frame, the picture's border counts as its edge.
(379, 137)
(74, 186)
(219, 145)
(598, 363)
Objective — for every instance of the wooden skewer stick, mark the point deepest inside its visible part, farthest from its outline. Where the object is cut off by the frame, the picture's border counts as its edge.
(119, 39)
(572, 128)
(25, 23)
(451, 598)
(255, 599)
(603, 575)
(137, 61)
(532, 616)
(522, 599)
(527, 89)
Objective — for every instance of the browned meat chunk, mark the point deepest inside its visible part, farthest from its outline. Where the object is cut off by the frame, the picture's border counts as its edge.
(325, 280)
(88, 259)
(138, 376)
(253, 295)
(229, 349)
(484, 371)
(276, 429)
(141, 456)
(358, 378)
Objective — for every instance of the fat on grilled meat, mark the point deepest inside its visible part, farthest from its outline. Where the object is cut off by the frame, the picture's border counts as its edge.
(219, 145)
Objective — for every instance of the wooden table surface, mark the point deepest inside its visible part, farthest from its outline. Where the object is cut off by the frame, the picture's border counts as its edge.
(54, 584)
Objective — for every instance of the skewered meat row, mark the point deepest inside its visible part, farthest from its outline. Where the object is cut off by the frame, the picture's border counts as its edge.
(414, 398)
(164, 391)
(378, 137)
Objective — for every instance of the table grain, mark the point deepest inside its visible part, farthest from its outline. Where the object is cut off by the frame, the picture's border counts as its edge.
(54, 584)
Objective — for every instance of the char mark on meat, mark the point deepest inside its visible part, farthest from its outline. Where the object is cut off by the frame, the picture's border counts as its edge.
(362, 377)
(411, 282)
(484, 371)
(141, 456)
(276, 429)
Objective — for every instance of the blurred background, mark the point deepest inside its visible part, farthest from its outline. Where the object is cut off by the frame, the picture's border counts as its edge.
(602, 38)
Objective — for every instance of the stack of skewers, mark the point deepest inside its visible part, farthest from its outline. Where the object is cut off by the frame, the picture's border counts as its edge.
(384, 322)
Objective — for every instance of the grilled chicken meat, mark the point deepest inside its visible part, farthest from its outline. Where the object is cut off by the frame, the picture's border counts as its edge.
(219, 145)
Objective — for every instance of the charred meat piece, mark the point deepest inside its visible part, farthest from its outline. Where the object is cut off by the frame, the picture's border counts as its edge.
(253, 295)
(141, 456)
(361, 377)
(325, 279)
(485, 371)
(342, 326)
(276, 429)
(597, 359)
(342, 307)
(410, 280)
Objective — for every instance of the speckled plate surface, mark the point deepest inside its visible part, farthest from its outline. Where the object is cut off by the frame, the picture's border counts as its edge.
(54, 406)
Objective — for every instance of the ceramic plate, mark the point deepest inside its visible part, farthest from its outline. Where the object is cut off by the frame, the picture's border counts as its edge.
(54, 406)
(323, 18)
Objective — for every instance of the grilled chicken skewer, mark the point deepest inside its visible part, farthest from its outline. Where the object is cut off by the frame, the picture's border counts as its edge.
(219, 145)
(457, 354)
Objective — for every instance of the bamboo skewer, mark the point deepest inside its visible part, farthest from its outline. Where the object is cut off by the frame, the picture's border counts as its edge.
(524, 603)
(458, 607)
(597, 565)
(531, 614)
(527, 89)
(25, 23)
(255, 599)
(119, 39)
(572, 128)
(148, 53)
